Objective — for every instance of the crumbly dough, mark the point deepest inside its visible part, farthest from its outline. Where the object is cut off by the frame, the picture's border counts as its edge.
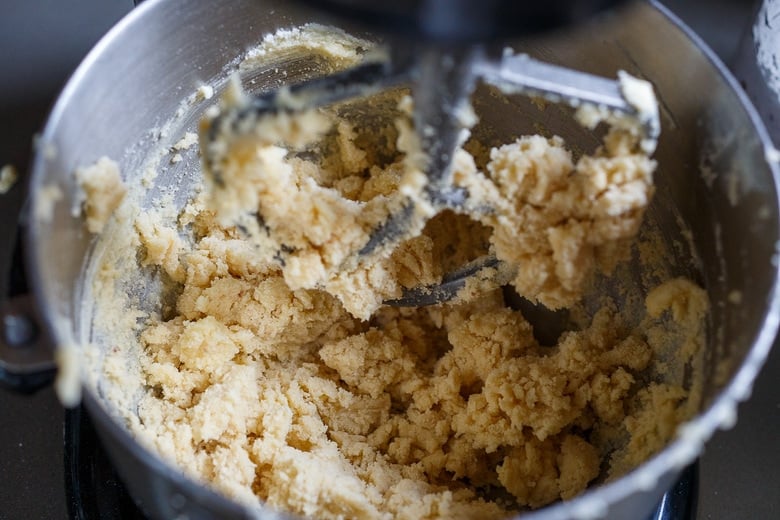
(321, 213)
(103, 190)
(558, 221)
(188, 140)
(8, 178)
(277, 383)
(278, 394)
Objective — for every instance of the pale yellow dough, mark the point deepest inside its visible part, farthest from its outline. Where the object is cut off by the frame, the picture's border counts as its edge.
(103, 190)
(8, 177)
(287, 386)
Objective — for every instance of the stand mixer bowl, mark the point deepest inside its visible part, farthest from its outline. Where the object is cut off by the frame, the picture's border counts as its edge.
(713, 175)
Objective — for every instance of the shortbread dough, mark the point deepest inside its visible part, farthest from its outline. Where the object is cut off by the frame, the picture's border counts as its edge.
(310, 396)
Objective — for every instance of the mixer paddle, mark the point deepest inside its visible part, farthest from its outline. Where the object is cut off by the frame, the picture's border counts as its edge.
(442, 83)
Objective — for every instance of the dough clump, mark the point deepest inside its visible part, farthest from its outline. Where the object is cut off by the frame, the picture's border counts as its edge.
(103, 191)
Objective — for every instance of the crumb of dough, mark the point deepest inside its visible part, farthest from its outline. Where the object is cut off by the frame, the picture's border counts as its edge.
(687, 302)
(68, 383)
(103, 190)
(45, 200)
(162, 245)
(8, 178)
(47, 148)
(187, 141)
(734, 297)
(314, 399)
(205, 92)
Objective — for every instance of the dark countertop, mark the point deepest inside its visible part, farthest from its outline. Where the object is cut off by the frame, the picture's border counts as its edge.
(43, 41)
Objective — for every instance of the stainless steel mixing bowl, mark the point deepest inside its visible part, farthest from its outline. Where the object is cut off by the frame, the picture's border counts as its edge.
(713, 175)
